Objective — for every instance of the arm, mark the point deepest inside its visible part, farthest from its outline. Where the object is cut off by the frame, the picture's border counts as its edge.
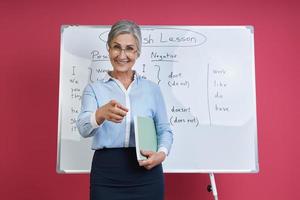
(163, 129)
(86, 123)
(164, 134)
(92, 116)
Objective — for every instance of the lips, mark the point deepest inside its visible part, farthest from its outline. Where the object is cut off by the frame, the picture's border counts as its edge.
(122, 62)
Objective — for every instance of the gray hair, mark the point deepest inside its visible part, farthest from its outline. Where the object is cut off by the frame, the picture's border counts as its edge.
(123, 27)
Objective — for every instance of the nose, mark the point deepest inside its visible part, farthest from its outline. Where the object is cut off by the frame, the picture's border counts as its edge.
(122, 54)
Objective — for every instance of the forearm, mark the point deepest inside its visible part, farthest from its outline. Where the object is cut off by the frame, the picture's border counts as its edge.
(86, 124)
(165, 140)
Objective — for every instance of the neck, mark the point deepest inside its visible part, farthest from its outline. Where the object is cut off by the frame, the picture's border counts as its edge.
(124, 77)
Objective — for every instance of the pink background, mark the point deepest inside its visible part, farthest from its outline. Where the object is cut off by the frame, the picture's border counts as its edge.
(29, 77)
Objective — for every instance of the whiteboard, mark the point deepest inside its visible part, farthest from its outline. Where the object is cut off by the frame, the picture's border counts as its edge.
(207, 77)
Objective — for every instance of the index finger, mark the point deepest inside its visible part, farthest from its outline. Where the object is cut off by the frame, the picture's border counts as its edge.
(147, 153)
(121, 107)
(144, 162)
(116, 110)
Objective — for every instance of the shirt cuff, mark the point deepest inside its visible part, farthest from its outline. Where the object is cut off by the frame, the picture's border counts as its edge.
(93, 120)
(163, 149)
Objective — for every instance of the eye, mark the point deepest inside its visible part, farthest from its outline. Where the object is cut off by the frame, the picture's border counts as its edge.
(129, 49)
(116, 47)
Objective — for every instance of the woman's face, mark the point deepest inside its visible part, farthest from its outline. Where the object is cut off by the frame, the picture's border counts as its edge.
(123, 52)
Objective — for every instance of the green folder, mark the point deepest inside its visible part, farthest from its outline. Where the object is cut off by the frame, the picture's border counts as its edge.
(145, 135)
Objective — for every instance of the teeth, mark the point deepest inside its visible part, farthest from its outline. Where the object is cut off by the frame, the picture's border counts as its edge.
(123, 62)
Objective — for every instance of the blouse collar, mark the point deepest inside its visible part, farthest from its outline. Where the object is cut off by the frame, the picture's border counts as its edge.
(108, 77)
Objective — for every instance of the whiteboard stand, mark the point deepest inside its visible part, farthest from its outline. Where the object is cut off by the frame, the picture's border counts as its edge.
(212, 187)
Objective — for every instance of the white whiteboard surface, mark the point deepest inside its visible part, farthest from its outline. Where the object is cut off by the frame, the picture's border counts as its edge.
(207, 77)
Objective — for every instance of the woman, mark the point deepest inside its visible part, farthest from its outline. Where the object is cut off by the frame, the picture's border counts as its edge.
(107, 111)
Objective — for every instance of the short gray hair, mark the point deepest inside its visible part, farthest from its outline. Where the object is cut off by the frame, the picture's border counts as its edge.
(123, 27)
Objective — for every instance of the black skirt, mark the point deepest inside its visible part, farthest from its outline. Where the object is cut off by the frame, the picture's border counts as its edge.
(116, 175)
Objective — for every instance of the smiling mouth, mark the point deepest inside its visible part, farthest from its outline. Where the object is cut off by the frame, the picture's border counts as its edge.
(122, 61)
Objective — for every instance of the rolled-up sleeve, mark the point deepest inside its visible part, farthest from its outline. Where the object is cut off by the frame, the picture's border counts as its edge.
(163, 129)
(85, 121)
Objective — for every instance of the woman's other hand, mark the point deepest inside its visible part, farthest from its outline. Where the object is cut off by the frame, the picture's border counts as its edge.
(153, 159)
(112, 111)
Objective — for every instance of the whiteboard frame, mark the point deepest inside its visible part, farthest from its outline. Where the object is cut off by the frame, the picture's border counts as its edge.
(58, 163)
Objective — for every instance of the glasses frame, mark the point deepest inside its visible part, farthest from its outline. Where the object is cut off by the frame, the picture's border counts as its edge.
(118, 51)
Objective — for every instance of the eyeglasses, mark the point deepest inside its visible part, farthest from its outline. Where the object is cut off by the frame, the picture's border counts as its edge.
(128, 50)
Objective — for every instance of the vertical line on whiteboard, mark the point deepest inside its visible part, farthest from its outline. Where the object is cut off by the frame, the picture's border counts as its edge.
(73, 71)
(207, 90)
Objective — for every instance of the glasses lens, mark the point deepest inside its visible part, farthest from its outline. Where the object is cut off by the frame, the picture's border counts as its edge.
(116, 49)
(129, 50)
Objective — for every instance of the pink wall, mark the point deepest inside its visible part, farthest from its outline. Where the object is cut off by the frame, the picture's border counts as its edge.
(29, 76)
